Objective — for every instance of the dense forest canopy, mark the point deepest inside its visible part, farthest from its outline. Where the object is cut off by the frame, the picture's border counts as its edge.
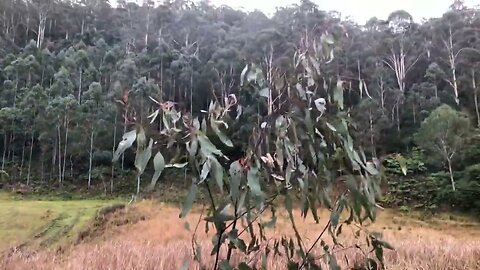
(67, 69)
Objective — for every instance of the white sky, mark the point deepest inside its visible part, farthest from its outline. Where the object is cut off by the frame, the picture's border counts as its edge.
(359, 10)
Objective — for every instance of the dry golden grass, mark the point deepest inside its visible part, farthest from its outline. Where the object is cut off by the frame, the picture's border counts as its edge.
(161, 242)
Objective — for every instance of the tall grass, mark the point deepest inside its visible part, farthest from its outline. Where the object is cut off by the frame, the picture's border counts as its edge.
(161, 242)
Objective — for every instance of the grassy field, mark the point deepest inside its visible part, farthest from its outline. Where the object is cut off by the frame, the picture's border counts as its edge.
(149, 235)
(38, 224)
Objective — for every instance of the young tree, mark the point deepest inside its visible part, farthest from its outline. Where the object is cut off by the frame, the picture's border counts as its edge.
(443, 134)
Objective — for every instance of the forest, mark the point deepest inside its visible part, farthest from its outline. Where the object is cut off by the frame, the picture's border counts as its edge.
(300, 99)
(66, 67)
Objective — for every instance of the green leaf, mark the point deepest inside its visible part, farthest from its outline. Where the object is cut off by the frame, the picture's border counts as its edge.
(159, 166)
(127, 142)
(338, 94)
(192, 146)
(370, 167)
(253, 181)
(301, 92)
(242, 75)
(187, 205)
(185, 265)
(332, 263)
(236, 175)
(291, 265)
(225, 140)
(142, 158)
(217, 172)
(372, 264)
(403, 164)
(265, 92)
(207, 147)
(225, 265)
(205, 170)
(386, 245)
(244, 266)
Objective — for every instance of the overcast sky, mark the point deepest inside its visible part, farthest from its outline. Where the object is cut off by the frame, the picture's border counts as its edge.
(359, 10)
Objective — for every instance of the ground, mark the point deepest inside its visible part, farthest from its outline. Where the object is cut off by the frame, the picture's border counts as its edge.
(150, 235)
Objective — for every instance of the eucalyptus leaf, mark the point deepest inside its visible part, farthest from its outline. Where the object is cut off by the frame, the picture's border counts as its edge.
(207, 147)
(264, 92)
(338, 94)
(159, 166)
(242, 75)
(236, 175)
(225, 140)
(253, 181)
(142, 158)
(127, 141)
(177, 165)
(217, 172)
(187, 205)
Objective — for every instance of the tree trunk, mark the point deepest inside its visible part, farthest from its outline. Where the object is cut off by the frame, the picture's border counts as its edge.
(372, 138)
(30, 158)
(4, 150)
(90, 160)
(138, 183)
(124, 131)
(113, 151)
(449, 161)
(65, 148)
(80, 87)
(59, 156)
(475, 95)
(22, 161)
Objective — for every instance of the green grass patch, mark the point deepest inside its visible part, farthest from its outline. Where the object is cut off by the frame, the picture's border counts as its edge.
(41, 223)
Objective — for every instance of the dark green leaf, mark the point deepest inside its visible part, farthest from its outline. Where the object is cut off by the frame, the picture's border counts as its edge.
(225, 265)
(244, 266)
(253, 181)
(187, 205)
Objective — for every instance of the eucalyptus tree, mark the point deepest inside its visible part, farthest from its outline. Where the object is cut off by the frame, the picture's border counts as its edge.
(444, 134)
(91, 109)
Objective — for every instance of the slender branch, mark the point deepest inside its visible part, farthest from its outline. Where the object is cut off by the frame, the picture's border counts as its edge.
(230, 248)
(220, 235)
(195, 231)
(314, 244)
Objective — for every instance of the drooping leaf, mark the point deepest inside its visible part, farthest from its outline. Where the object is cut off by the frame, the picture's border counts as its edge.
(301, 91)
(217, 173)
(236, 175)
(187, 205)
(225, 140)
(205, 170)
(264, 92)
(253, 181)
(242, 75)
(159, 166)
(127, 142)
(225, 265)
(338, 94)
(142, 158)
(192, 146)
(244, 266)
(185, 265)
(207, 147)
(403, 164)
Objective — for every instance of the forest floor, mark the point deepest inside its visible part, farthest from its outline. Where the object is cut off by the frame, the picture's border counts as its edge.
(149, 235)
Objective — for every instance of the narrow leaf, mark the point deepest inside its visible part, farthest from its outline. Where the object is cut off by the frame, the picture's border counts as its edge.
(127, 142)
(159, 166)
(187, 205)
